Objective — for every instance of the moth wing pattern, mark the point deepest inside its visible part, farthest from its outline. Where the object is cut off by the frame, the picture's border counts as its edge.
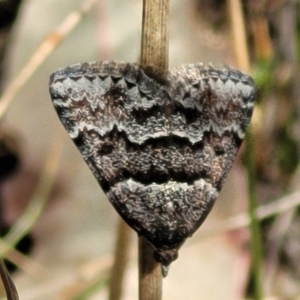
(160, 151)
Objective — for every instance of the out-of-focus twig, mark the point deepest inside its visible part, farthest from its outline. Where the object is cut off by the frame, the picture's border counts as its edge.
(10, 289)
(42, 52)
(120, 261)
(263, 212)
(24, 263)
(243, 62)
(239, 34)
(80, 284)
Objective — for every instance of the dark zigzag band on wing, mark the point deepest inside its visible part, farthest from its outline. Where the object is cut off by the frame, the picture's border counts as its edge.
(116, 159)
(160, 151)
(103, 100)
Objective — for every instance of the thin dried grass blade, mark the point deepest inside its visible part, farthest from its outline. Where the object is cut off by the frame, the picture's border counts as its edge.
(42, 52)
(10, 288)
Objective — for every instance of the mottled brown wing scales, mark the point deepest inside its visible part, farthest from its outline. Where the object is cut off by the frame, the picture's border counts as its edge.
(161, 152)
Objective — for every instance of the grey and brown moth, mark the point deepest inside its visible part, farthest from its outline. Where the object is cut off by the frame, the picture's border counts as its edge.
(160, 150)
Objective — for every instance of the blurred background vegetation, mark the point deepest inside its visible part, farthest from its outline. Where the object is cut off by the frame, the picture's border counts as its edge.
(58, 229)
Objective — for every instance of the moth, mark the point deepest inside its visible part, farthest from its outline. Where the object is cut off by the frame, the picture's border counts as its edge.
(160, 150)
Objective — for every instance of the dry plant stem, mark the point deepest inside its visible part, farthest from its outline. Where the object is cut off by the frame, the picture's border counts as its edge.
(42, 52)
(239, 34)
(155, 43)
(10, 289)
(120, 261)
(255, 242)
(154, 60)
(150, 276)
(242, 55)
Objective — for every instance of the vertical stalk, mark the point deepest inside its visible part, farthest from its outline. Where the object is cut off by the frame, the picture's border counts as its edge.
(9, 286)
(155, 43)
(239, 34)
(256, 249)
(242, 55)
(154, 61)
(150, 274)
